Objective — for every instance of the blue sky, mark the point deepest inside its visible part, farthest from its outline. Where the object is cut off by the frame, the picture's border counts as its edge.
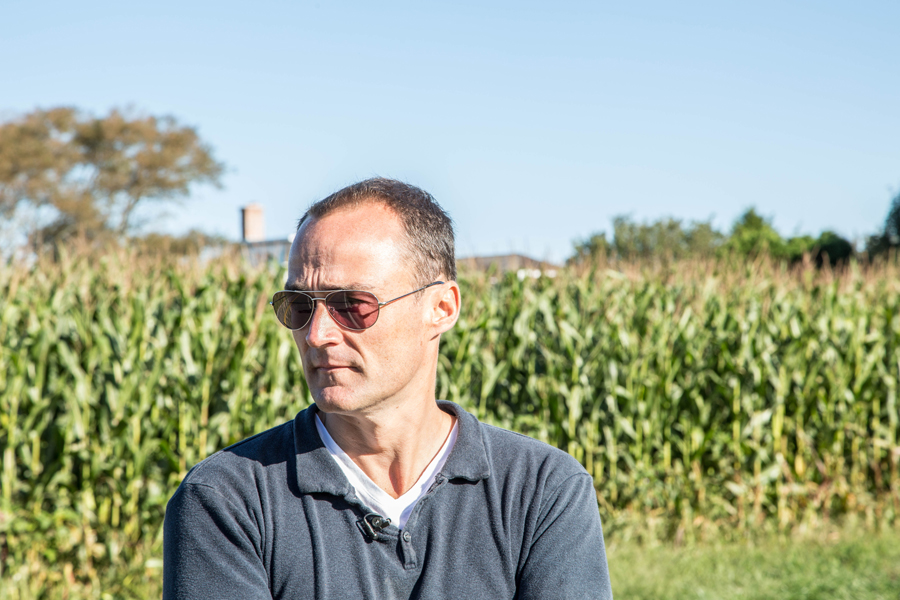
(532, 123)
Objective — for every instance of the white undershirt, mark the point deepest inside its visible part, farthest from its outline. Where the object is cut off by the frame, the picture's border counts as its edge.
(396, 509)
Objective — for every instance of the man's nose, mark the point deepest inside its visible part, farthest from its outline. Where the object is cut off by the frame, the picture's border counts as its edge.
(322, 328)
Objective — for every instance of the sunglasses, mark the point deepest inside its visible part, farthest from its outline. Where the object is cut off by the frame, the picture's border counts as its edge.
(352, 309)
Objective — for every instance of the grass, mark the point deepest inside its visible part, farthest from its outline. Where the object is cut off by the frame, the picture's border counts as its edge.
(839, 566)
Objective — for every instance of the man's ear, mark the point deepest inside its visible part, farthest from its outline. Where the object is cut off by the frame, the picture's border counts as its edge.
(445, 305)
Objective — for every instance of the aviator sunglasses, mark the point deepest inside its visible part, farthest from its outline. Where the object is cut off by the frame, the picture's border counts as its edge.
(351, 309)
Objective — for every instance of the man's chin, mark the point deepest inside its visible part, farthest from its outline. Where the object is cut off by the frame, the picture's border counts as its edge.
(335, 399)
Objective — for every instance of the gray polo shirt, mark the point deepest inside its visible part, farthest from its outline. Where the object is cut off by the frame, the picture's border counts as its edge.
(274, 517)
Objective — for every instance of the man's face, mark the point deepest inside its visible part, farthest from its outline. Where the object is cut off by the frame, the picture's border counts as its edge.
(352, 371)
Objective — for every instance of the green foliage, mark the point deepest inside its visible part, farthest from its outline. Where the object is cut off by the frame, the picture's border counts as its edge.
(708, 400)
(116, 376)
(889, 239)
(753, 235)
(701, 240)
(633, 240)
(92, 173)
(590, 251)
(892, 222)
(828, 247)
(833, 248)
(665, 239)
(796, 247)
(721, 400)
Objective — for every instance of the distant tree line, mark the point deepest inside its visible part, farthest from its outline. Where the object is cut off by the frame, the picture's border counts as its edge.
(751, 235)
(66, 174)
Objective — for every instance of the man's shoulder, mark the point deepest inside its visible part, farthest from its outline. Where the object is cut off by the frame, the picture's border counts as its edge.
(515, 450)
(513, 457)
(245, 461)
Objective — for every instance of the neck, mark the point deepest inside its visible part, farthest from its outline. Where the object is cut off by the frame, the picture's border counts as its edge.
(392, 445)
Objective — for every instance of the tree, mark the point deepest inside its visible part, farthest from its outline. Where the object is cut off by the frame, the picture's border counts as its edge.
(702, 239)
(892, 223)
(590, 250)
(833, 248)
(795, 248)
(890, 237)
(90, 173)
(752, 235)
(664, 239)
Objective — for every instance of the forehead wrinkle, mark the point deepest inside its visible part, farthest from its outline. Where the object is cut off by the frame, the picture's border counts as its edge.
(313, 259)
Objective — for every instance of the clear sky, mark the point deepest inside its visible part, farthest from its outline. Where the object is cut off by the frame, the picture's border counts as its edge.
(532, 123)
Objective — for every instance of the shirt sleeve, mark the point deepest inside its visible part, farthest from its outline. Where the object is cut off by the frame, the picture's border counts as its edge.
(567, 557)
(211, 548)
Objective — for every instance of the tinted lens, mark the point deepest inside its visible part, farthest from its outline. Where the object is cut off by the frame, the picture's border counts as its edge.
(293, 309)
(353, 310)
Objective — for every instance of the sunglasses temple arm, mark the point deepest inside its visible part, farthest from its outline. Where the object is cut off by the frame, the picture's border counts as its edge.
(424, 287)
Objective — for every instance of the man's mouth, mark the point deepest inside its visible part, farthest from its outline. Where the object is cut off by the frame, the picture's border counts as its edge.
(329, 367)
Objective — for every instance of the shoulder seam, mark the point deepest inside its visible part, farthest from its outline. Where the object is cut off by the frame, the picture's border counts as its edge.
(202, 465)
(516, 433)
(555, 492)
(225, 498)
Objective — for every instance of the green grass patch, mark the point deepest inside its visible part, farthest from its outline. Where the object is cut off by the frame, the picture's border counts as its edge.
(833, 567)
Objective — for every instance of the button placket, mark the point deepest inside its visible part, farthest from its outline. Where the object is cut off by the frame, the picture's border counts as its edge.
(407, 550)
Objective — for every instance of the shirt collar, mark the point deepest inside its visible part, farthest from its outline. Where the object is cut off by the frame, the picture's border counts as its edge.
(318, 473)
(468, 459)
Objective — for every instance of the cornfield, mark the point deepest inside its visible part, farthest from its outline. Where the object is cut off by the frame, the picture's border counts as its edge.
(705, 398)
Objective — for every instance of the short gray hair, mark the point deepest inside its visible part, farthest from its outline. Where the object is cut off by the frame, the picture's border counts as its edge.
(429, 230)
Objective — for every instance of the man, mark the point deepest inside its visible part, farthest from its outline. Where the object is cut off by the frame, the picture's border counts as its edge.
(378, 490)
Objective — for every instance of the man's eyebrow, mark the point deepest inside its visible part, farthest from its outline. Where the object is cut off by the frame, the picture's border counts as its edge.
(299, 286)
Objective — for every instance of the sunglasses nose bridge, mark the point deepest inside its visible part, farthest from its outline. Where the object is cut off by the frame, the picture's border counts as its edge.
(312, 313)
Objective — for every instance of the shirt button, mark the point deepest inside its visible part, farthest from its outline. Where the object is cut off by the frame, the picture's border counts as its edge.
(406, 536)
